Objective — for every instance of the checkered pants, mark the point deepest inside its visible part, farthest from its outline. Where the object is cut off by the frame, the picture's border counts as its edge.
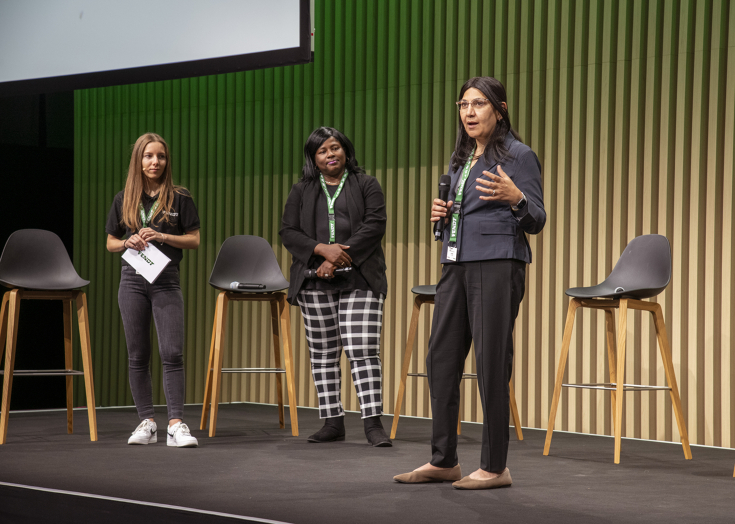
(349, 319)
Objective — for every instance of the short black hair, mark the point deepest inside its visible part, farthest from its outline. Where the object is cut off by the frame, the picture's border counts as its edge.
(494, 91)
(317, 137)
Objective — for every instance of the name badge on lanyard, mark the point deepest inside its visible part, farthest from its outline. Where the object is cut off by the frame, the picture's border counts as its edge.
(330, 206)
(456, 217)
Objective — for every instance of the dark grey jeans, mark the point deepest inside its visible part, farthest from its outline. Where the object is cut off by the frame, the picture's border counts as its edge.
(163, 299)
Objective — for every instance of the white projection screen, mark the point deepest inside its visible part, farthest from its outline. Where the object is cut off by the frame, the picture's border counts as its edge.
(60, 45)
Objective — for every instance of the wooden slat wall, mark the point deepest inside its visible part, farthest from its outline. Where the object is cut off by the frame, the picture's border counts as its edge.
(630, 106)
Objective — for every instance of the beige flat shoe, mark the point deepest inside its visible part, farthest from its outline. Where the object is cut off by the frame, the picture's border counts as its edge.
(498, 482)
(429, 475)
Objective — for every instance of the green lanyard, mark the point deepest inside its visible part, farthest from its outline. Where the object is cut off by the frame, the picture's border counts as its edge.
(330, 206)
(458, 198)
(147, 219)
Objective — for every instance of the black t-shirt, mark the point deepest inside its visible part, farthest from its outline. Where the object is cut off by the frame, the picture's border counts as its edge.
(353, 280)
(183, 218)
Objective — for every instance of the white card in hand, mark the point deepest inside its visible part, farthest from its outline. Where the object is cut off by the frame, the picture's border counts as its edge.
(452, 253)
(149, 262)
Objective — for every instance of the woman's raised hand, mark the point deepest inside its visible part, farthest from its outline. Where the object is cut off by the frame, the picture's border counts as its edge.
(334, 253)
(499, 188)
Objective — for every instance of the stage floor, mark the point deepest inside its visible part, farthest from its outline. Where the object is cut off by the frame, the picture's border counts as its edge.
(254, 469)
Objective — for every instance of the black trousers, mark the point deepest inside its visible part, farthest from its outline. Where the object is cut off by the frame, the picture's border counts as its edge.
(475, 301)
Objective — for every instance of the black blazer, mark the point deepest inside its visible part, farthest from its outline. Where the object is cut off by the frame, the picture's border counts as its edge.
(491, 230)
(366, 205)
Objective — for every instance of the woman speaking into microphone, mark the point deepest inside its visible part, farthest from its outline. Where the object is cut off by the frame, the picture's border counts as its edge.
(335, 219)
(495, 199)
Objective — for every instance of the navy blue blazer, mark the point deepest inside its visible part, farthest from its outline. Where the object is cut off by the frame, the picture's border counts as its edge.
(491, 230)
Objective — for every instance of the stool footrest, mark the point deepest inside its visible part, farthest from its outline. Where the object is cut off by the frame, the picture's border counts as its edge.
(44, 372)
(464, 375)
(612, 386)
(253, 370)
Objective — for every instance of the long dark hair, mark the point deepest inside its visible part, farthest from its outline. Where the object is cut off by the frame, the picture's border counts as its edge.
(310, 173)
(495, 149)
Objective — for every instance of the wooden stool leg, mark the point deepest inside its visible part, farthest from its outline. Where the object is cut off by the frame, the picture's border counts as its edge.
(83, 319)
(663, 343)
(418, 301)
(275, 315)
(514, 411)
(459, 419)
(566, 341)
(620, 378)
(290, 382)
(4, 322)
(67, 310)
(12, 314)
(611, 358)
(219, 342)
(206, 403)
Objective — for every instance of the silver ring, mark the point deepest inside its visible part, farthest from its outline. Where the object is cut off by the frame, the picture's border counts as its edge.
(493, 192)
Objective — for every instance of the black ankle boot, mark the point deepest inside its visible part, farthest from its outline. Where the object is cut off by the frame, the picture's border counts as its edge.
(375, 433)
(333, 430)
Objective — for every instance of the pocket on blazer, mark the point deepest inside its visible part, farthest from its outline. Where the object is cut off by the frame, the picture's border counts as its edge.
(493, 227)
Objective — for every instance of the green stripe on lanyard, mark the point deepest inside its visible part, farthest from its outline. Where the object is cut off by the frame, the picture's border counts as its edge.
(458, 198)
(147, 219)
(330, 206)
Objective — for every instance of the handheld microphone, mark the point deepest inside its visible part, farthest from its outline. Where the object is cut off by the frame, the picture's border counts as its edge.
(244, 286)
(311, 273)
(444, 182)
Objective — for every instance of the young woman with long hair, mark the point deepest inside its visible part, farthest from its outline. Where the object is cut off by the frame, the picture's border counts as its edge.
(151, 209)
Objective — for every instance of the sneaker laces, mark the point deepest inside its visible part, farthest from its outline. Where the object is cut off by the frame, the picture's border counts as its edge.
(181, 427)
(142, 426)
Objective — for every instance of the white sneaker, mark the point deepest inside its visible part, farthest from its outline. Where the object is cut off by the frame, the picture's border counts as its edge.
(179, 436)
(145, 433)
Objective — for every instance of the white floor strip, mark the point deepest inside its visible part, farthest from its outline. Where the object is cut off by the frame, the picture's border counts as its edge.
(141, 503)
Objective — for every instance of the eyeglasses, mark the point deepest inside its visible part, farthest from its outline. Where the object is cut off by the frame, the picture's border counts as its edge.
(477, 103)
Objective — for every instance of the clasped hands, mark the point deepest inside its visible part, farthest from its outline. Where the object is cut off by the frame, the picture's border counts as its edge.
(335, 257)
(498, 188)
(139, 241)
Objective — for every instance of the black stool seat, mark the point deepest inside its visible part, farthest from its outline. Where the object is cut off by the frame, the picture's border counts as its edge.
(37, 259)
(247, 259)
(642, 271)
(424, 290)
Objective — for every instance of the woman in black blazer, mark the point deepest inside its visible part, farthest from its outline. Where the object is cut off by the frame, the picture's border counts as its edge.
(497, 181)
(335, 220)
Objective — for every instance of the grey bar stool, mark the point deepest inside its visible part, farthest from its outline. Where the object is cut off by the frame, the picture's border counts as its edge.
(249, 260)
(425, 295)
(643, 271)
(36, 266)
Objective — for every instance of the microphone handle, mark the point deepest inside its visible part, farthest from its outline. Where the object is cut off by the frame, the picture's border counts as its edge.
(439, 225)
(311, 273)
(244, 285)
